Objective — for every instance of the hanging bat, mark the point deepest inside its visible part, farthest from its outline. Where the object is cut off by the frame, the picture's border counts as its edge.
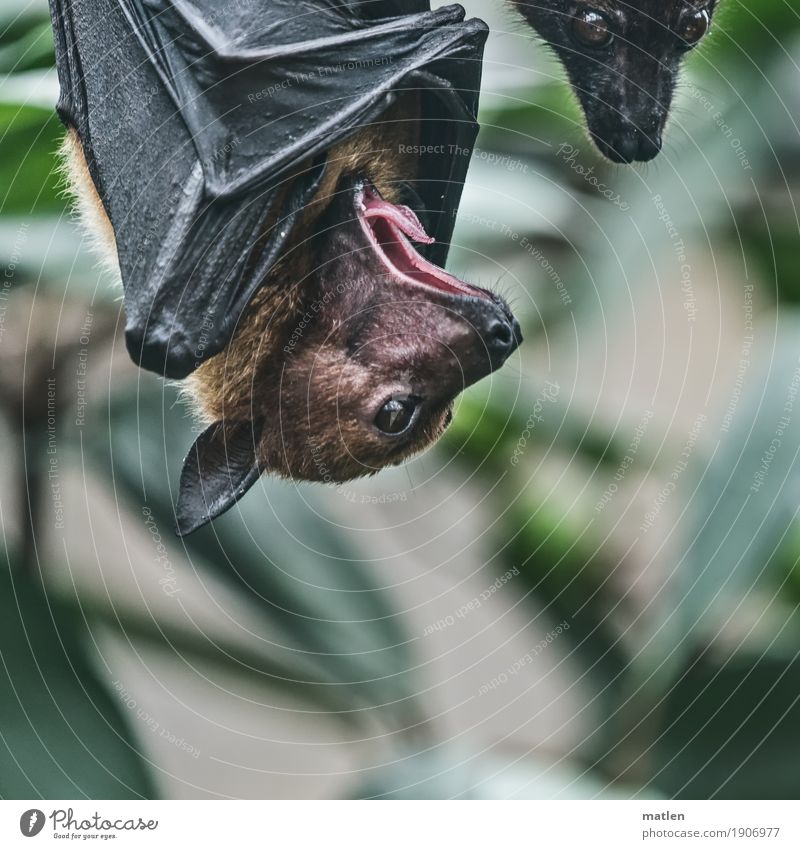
(278, 183)
(623, 60)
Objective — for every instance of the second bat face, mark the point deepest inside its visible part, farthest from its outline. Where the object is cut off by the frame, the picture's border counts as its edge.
(622, 58)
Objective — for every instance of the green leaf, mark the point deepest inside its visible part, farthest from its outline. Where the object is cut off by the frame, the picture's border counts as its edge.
(747, 500)
(29, 137)
(33, 49)
(731, 731)
(62, 735)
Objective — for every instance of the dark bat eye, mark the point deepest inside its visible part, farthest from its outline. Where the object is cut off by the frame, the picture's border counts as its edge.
(396, 415)
(694, 27)
(591, 28)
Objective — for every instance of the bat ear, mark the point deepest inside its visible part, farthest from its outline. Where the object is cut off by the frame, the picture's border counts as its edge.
(218, 470)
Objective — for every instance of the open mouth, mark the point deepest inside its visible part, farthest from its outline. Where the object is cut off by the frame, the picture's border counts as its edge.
(390, 230)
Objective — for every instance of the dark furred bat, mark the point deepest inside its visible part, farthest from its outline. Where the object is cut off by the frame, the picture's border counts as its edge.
(622, 59)
(279, 184)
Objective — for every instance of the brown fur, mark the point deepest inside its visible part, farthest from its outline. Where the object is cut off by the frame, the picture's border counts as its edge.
(81, 188)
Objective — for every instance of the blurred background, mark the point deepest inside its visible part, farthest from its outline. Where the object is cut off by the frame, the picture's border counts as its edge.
(588, 589)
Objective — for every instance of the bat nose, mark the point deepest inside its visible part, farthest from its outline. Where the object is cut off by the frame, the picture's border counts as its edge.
(499, 335)
(485, 339)
(626, 146)
(631, 144)
(502, 337)
(649, 146)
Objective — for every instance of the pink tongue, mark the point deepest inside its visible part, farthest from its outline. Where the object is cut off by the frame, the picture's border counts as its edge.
(392, 227)
(402, 216)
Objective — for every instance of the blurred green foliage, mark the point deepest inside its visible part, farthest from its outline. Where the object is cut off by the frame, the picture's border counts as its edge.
(678, 718)
(63, 733)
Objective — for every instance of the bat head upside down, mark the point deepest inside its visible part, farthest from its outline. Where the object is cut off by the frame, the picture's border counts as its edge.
(353, 350)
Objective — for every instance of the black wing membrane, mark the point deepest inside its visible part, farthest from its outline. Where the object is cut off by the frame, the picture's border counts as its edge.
(194, 115)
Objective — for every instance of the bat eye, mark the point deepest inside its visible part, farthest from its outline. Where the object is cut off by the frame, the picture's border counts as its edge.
(396, 415)
(591, 28)
(694, 27)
